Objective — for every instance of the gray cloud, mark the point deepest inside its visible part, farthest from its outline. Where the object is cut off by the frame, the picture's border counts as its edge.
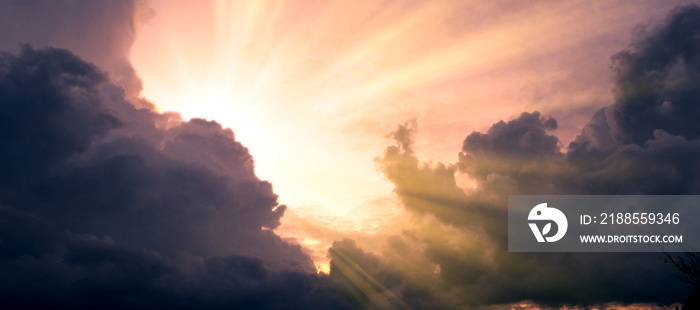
(107, 206)
(467, 238)
(104, 205)
(655, 86)
(646, 142)
(524, 136)
(100, 31)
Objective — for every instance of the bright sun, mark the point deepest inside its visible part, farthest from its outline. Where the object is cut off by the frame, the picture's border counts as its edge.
(312, 90)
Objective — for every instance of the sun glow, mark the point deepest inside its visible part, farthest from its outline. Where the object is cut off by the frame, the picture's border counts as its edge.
(312, 88)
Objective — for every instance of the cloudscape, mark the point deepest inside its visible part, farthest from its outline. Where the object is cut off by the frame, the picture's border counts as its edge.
(333, 154)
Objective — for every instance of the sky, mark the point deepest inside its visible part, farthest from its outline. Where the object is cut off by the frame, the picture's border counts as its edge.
(314, 88)
(333, 154)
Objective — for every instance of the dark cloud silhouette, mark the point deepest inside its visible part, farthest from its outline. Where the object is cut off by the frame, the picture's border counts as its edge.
(646, 142)
(99, 31)
(521, 149)
(104, 205)
(524, 136)
(655, 86)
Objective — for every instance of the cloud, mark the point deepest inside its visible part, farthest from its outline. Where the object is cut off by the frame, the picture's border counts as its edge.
(646, 142)
(463, 235)
(521, 149)
(655, 85)
(100, 31)
(104, 205)
(524, 136)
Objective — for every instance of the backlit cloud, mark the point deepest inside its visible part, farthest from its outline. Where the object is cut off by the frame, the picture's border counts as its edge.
(107, 206)
(646, 142)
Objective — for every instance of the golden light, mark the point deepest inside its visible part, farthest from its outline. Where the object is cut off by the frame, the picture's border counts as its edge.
(312, 88)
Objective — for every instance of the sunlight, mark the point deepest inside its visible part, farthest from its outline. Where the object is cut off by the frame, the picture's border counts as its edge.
(289, 98)
(312, 90)
(315, 154)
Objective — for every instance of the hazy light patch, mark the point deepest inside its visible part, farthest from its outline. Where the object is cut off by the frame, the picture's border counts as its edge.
(312, 88)
(465, 182)
(369, 224)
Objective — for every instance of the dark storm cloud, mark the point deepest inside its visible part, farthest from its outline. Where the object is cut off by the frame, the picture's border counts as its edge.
(99, 31)
(524, 136)
(511, 148)
(646, 142)
(103, 205)
(655, 85)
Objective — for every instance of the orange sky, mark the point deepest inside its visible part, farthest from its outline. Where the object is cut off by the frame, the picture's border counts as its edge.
(314, 87)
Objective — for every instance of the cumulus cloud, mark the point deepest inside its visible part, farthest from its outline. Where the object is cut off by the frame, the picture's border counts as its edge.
(525, 136)
(655, 86)
(100, 31)
(462, 236)
(104, 205)
(646, 142)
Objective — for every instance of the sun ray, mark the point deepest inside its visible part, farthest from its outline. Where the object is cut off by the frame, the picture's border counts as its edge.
(312, 88)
